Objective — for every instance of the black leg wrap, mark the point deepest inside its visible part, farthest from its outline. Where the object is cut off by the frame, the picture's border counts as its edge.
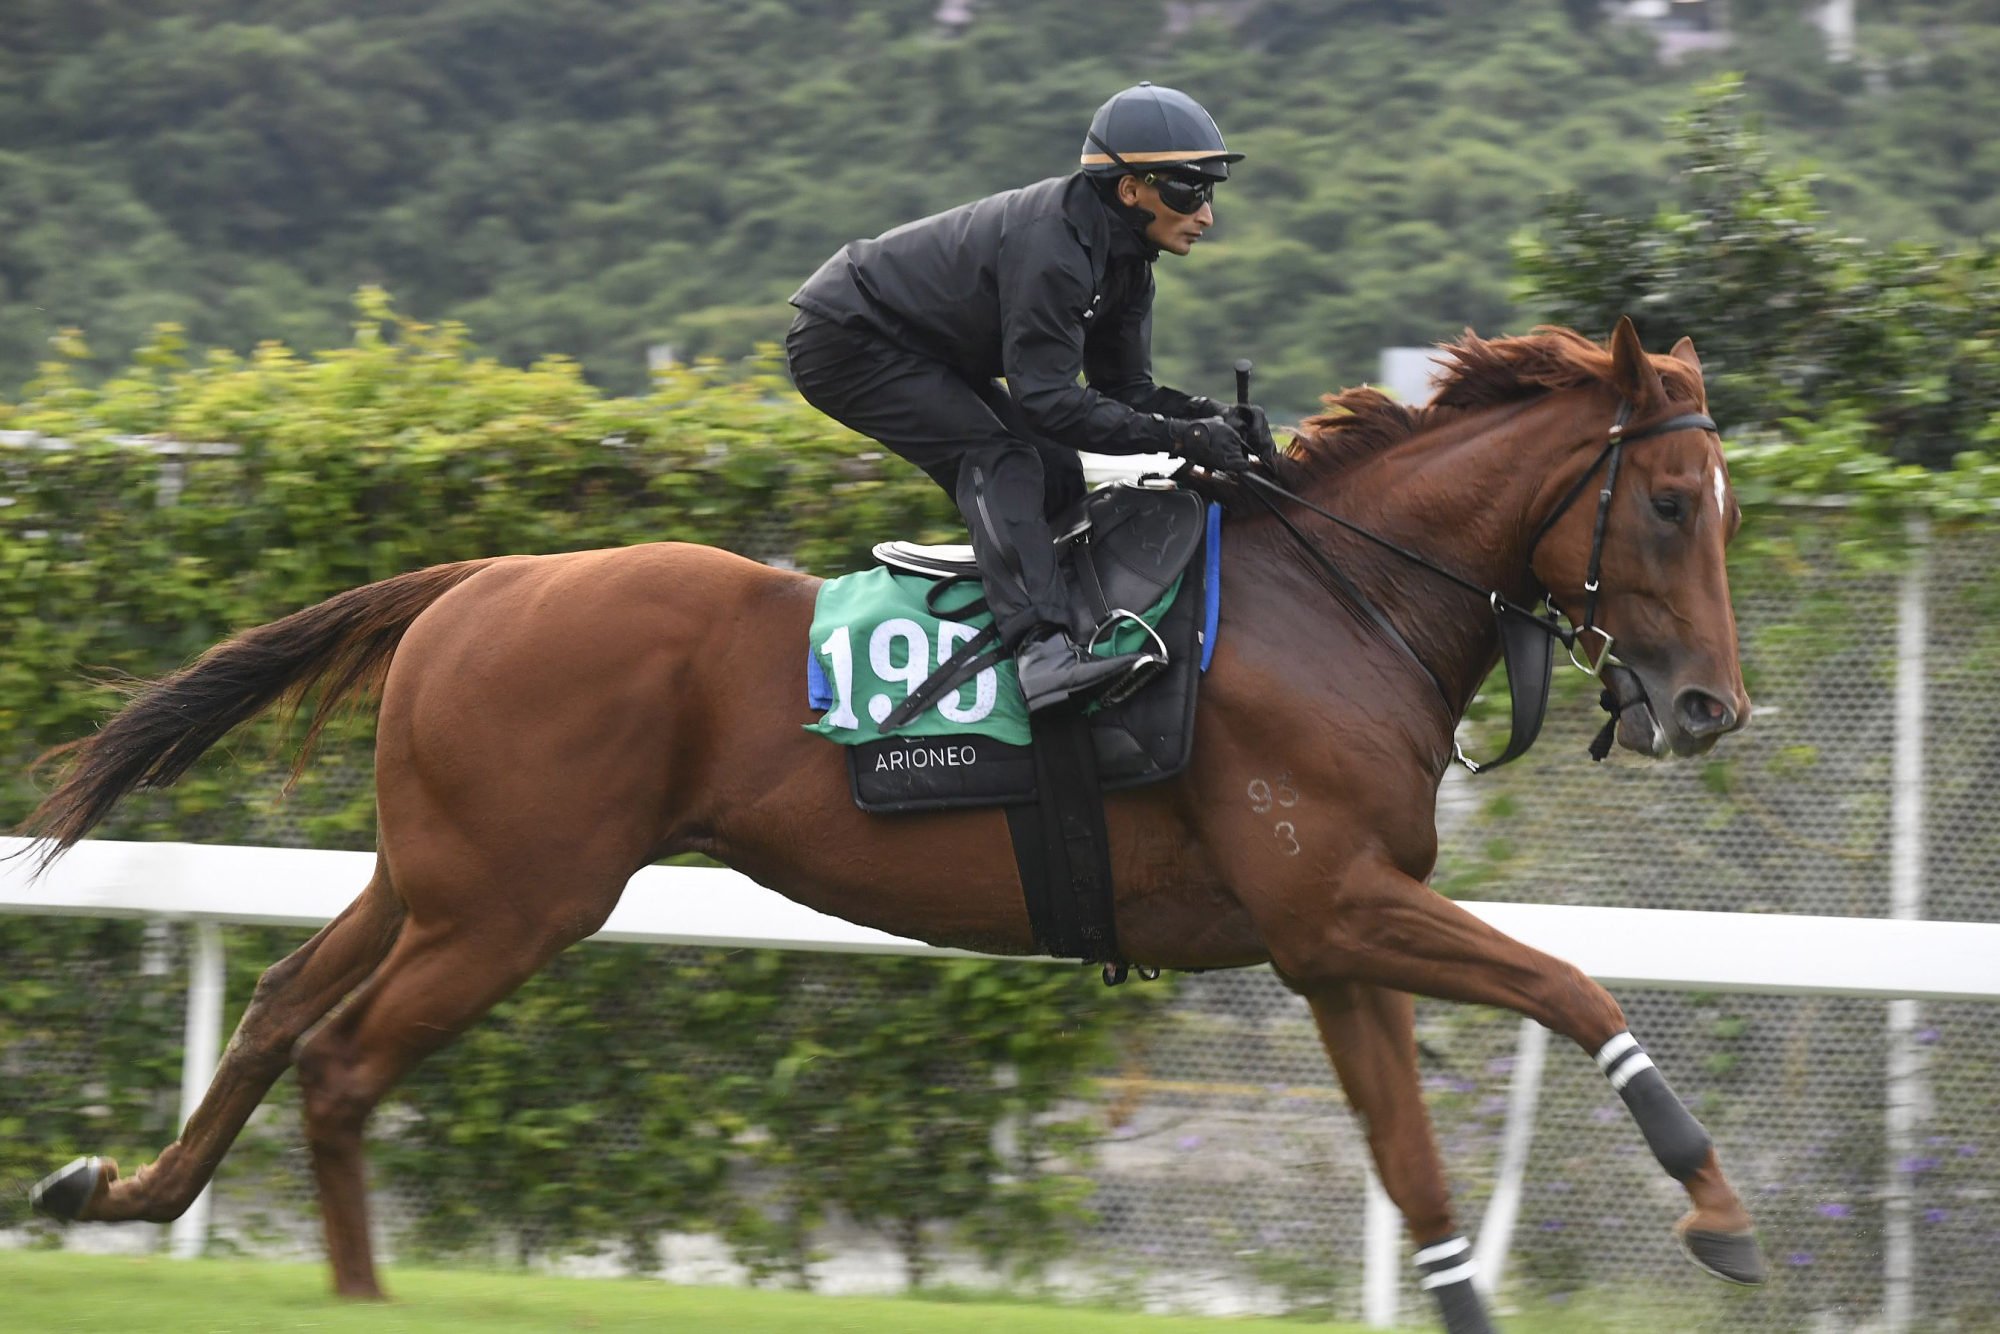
(1462, 1309)
(1671, 1131)
(1446, 1267)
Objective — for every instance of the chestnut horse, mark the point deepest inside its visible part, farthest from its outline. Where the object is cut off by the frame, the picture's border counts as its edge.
(550, 724)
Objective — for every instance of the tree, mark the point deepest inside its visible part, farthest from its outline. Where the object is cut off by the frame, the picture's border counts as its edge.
(1792, 317)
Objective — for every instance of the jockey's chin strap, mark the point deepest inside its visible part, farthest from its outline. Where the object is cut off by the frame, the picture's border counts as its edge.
(1527, 638)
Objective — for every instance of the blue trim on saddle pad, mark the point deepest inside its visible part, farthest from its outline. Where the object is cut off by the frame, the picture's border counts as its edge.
(819, 690)
(1211, 584)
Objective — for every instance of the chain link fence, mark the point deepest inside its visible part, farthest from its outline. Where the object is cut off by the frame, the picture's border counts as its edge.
(1228, 1174)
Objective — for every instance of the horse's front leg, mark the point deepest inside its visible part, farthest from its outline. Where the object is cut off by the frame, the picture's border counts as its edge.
(1384, 927)
(1370, 1034)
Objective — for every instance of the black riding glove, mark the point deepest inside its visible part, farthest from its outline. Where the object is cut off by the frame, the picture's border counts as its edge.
(1199, 407)
(1255, 428)
(1211, 443)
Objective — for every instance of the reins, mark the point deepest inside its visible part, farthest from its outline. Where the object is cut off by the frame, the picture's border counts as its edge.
(1528, 656)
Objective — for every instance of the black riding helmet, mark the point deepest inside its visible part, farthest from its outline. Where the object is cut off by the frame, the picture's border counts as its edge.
(1165, 138)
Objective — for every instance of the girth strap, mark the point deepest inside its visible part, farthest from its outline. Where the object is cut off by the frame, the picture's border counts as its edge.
(1061, 845)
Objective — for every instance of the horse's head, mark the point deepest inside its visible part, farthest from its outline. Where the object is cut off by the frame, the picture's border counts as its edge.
(1661, 606)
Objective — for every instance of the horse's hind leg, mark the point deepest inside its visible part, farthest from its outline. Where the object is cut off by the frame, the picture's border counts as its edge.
(1384, 927)
(1370, 1034)
(291, 996)
(443, 974)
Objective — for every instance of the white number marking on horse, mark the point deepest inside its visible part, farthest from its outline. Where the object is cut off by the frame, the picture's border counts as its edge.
(1263, 797)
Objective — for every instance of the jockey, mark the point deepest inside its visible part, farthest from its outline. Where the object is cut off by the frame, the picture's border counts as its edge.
(903, 338)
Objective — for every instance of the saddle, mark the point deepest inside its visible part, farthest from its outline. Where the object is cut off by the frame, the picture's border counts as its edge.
(1120, 551)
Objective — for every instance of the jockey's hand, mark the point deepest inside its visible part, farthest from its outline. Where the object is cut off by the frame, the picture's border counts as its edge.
(1211, 443)
(1254, 427)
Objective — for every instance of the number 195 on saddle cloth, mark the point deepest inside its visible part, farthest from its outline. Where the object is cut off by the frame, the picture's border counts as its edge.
(874, 639)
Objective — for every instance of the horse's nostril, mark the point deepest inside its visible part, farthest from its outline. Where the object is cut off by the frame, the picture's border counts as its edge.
(1702, 714)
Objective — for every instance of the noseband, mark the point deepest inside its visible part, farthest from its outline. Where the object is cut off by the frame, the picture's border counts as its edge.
(1527, 638)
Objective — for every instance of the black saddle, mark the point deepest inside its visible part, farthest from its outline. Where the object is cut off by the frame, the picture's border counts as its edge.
(1119, 550)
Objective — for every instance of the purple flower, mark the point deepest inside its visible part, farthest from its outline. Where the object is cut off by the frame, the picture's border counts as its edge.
(1918, 1166)
(1833, 1210)
(1799, 1259)
(1500, 1065)
(1553, 1225)
(1926, 1035)
(1935, 1215)
(1968, 1150)
(1186, 1142)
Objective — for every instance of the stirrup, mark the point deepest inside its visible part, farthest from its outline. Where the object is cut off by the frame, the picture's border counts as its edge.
(1150, 663)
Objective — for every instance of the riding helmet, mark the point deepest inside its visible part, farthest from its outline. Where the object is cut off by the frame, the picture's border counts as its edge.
(1151, 127)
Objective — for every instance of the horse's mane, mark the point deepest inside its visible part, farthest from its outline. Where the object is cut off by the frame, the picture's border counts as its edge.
(1479, 373)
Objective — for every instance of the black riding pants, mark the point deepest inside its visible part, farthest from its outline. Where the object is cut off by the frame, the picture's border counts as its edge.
(972, 441)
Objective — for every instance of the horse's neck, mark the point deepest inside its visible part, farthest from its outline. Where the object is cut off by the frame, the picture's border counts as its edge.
(1464, 496)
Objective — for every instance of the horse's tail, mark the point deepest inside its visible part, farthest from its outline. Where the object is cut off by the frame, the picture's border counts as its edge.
(343, 645)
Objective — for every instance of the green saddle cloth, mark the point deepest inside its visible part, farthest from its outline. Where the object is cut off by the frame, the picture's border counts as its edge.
(874, 640)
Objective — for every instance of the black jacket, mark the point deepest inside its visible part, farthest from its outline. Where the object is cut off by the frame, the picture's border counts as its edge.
(1035, 285)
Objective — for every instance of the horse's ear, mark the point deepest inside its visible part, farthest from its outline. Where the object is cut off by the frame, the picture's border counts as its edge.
(1684, 353)
(1632, 372)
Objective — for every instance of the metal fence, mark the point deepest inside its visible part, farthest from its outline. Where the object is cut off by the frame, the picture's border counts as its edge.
(1229, 1172)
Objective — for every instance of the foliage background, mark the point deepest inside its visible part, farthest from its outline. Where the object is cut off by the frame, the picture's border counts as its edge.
(594, 177)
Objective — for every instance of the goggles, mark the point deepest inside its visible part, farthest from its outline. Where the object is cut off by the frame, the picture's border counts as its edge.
(1182, 194)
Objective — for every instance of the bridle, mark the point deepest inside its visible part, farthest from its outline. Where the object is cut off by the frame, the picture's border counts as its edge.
(1527, 637)
(1614, 453)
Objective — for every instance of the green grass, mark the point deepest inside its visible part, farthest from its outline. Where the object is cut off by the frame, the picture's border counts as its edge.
(42, 1291)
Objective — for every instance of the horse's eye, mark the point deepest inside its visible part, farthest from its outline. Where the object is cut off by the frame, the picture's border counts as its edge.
(1669, 507)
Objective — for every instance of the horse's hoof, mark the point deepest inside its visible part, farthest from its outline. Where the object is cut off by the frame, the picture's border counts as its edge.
(63, 1194)
(1733, 1257)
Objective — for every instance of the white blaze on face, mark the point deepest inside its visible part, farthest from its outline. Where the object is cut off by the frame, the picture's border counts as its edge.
(1721, 505)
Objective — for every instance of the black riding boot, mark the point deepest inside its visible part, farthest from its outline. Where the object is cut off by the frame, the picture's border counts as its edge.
(1053, 668)
(1000, 493)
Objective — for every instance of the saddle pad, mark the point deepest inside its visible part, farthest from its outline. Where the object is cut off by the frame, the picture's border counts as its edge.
(1140, 740)
(874, 640)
